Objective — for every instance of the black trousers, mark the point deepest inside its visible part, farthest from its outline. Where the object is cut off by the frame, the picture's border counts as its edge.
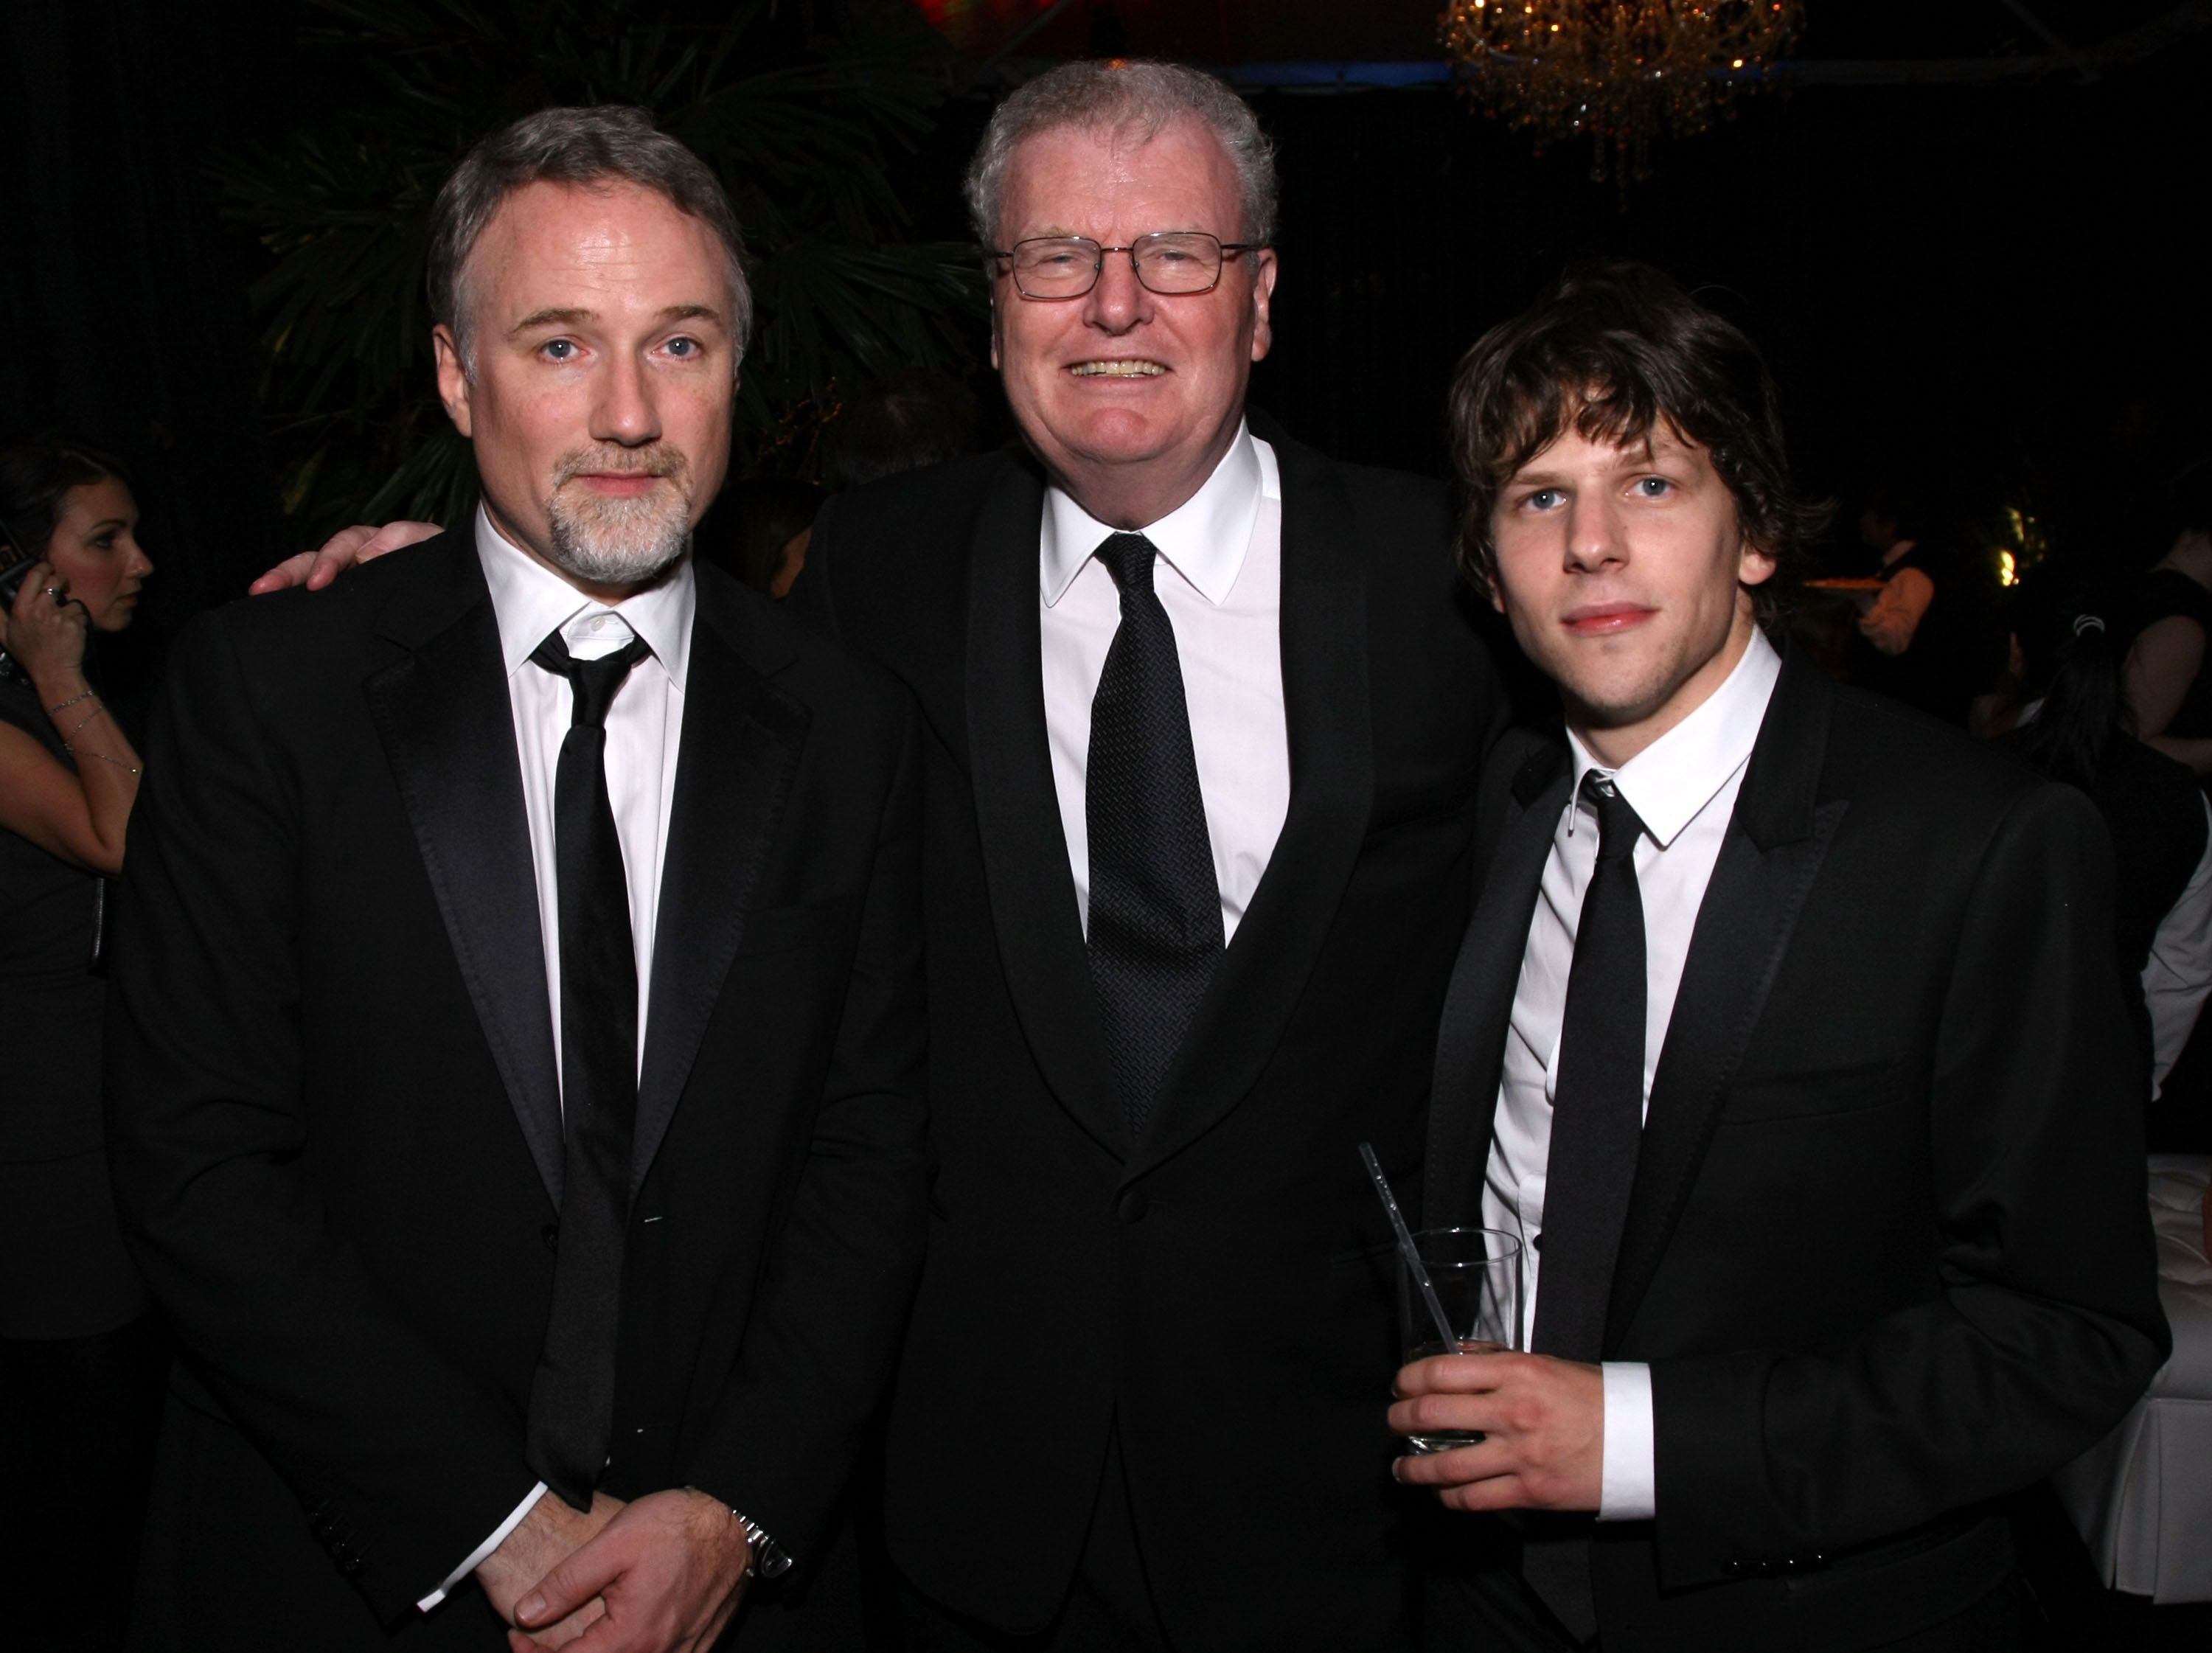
(1109, 1608)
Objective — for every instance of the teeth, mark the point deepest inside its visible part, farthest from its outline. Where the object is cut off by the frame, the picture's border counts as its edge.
(1117, 369)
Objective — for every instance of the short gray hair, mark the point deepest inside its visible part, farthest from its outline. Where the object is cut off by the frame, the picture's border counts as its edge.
(612, 143)
(1118, 93)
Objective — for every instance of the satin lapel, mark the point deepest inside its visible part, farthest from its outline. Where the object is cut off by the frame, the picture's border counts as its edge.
(1247, 1006)
(740, 747)
(447, 728)
(1773, 852)
(1032, 892)
(1478, 1005)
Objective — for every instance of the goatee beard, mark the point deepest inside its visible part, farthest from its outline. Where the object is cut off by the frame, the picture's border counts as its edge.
(621, 542)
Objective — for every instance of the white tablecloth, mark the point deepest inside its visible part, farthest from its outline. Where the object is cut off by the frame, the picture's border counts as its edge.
(2143, 1498)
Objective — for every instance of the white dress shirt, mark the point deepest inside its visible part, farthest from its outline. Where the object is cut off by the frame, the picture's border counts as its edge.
(1683, 787)
(645, 723)
(1219, 577)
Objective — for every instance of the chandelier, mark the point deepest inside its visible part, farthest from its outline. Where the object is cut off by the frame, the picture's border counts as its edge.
(1618, 71)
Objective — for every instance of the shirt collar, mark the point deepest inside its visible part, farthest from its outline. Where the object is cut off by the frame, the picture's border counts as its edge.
(532, 602)
(1204, 539)
(1670, 781)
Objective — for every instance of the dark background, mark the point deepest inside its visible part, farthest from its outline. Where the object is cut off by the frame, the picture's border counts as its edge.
(1993, 291)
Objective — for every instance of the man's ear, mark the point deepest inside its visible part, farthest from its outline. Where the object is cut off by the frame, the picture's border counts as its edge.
(453, 377)
(1497, 593)
(1263, 292)
(1753, 566)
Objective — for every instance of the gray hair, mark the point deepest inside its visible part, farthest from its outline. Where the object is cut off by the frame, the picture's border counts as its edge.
(1119, 93)
(612, 143)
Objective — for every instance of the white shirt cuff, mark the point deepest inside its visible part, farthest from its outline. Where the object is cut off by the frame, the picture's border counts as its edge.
(1625, 1489)
(476, 1556)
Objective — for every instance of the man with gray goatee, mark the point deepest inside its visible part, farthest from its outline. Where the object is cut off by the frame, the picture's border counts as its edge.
(516, 1057)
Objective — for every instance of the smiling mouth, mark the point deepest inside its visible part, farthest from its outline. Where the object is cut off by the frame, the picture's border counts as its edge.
(1117, 370)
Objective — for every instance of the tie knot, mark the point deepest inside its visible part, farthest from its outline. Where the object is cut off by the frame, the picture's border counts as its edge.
(591, 684)
(1129, 558)
(1619, 826)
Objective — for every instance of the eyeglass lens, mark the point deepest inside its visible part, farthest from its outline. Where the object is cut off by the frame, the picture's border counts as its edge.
(1066, 267)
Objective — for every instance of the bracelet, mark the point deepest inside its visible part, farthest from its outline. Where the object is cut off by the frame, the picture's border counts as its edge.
(99, 711)
(104, 758)
(56, 711)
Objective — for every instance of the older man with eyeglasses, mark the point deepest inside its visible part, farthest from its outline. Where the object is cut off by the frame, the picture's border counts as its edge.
(1205, 729)
(1204, 723)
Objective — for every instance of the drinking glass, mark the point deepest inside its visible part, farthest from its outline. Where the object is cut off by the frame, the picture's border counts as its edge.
(1477, 1275)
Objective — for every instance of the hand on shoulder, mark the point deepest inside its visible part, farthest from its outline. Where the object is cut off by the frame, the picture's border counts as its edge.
(346, 549)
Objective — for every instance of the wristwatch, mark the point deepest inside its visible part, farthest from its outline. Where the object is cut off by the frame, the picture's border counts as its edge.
(769, 1562)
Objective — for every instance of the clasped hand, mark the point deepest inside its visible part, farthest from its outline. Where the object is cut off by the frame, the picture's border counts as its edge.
(662, 1575)
(1542, 1421)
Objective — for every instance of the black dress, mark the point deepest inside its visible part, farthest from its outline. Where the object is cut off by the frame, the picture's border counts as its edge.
(63, 1270)
(81, 1360)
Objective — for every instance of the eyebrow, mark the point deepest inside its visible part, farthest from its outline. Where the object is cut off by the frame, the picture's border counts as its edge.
(569, 318)
(107, 523)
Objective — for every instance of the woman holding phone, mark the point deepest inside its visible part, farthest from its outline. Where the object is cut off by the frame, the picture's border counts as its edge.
(81, 1361)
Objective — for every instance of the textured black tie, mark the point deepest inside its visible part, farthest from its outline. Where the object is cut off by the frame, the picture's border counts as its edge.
(1155, 930)
(1597, 1126)
(571, 1423)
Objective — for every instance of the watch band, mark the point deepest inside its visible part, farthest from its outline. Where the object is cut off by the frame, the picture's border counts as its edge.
(769, 1562)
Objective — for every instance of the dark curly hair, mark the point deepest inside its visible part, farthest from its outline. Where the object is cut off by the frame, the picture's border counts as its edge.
(1613, 349)
(36, 475)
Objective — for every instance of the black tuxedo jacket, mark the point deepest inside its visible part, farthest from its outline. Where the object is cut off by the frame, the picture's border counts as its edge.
(1886, 1250)
(336, 1123)
(1219, 1288)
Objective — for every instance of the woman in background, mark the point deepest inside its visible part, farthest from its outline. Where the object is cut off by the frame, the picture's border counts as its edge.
(2076, 727)
(81, 1362)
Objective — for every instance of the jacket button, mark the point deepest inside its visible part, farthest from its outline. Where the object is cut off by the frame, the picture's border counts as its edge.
(1133, 1206)
(550, 1234)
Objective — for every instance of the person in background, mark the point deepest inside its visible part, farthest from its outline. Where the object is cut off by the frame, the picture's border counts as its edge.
(2169, 691)
(81, 1359)
(758, 530)
(1889, 530)
(2074, 727)
(1923, 638)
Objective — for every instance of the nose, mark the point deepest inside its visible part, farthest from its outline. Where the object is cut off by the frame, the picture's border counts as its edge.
(624, 412)
(1119, 301)
(138, 565)
(1595, 540)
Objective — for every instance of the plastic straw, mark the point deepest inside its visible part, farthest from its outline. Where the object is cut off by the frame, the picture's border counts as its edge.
(1408, 1250)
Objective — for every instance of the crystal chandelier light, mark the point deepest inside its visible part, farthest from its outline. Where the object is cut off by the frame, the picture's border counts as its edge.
(1620, 71)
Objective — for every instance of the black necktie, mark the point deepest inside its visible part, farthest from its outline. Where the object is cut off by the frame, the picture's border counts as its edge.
(1155, 933)
(571, 1421)
(1597, 1126)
